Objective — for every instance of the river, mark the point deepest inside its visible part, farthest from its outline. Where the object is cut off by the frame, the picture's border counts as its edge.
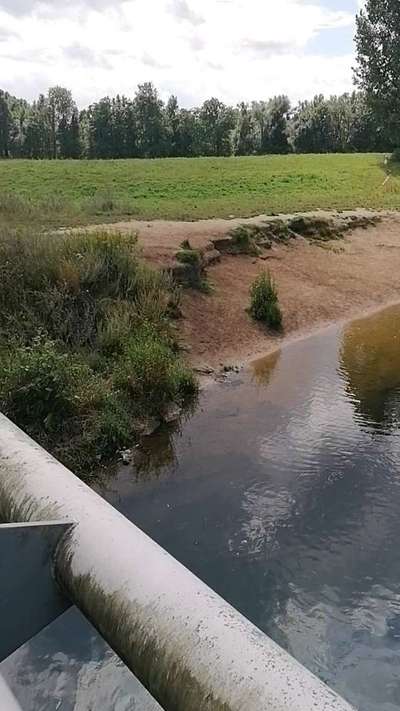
(282, 492)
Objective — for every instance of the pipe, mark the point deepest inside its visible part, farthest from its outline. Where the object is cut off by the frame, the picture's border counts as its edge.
(188, 647)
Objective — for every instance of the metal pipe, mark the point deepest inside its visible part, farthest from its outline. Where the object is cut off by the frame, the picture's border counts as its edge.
(186, 645)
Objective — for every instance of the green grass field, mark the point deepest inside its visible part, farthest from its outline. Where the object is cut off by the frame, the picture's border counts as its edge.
(81, 191)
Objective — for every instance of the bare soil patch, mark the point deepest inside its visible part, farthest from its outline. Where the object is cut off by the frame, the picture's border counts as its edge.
(318, 282)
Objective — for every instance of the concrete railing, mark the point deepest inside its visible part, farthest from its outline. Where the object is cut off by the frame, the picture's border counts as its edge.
(192, 650)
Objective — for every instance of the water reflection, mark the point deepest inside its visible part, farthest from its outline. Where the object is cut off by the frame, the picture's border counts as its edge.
(263, 368)
(282, 495)
(68, 667)
(370, 364)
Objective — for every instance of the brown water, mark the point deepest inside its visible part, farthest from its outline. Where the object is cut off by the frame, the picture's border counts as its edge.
(283, 493)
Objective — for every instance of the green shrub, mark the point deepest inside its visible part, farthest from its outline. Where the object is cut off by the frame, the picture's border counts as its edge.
(264, 305)
(151, 374)
(41, 387)
(109, 430)
(189, 256)
(115, 328)
(87, 343)
(193, 276)
(64, 284)
(243, 242)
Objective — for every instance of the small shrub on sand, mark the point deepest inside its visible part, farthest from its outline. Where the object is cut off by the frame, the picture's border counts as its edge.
(243, 241)
(264, 303)
(194, 272)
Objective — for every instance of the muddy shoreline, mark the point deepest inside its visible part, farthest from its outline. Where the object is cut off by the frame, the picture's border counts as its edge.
(223, 370)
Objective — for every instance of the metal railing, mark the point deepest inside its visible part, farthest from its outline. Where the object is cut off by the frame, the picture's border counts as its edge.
(189, 648)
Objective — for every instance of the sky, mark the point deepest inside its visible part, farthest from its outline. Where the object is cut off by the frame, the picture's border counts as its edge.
(233, 49)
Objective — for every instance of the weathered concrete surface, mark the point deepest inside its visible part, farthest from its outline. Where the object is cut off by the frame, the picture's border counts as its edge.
(191, 649)
(8, 702)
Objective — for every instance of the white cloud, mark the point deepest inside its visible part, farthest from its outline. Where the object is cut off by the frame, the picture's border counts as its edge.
(230, 48)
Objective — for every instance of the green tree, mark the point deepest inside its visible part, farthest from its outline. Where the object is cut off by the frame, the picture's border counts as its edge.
(5, 120)
(61, 108)
(38, 135)
(172, 121)
(276, 127)
(123, 128)
(312, 127)
(217, 122)
(245, 139)
(189, 138)
(365, 132)
(378, 62)
(149, 113)
(69, 136)
(100, 129)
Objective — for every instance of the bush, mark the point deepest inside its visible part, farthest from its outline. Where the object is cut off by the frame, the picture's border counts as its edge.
(243, 241)
(264, 304)
(86, 340)
(189, 256)
(152, 376)
(194, 272)
(41, 387)
(66, 285)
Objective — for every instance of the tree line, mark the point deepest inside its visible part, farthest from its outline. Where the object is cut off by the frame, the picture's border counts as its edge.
(146, 127)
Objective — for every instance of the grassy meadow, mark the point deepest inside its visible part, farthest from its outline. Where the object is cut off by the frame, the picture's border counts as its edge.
(72, 192)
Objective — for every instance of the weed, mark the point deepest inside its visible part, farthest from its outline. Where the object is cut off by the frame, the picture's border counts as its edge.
(193, 275)
(87, 342)
(151, 374)
(264, 304)
(243, 242)
(42, 387)
(189, 256)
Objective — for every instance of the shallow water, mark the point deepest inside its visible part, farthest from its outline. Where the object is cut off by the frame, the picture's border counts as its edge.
(283, 493)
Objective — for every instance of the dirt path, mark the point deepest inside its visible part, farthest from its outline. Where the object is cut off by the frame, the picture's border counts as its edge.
(317, 285)
(160, 239)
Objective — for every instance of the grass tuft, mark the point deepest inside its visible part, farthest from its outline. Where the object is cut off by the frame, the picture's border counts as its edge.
(264, 303)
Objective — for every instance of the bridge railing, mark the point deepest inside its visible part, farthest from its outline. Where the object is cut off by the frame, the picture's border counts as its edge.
(189, 647)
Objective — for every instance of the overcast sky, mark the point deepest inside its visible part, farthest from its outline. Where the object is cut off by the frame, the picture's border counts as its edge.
(233, 49)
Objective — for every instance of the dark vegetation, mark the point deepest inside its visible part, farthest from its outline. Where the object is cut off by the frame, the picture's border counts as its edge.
(264, 303)
(378, 65)
(88, 348)
(145, 127)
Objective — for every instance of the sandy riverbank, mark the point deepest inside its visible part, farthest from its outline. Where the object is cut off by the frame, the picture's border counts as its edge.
(317, 285)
